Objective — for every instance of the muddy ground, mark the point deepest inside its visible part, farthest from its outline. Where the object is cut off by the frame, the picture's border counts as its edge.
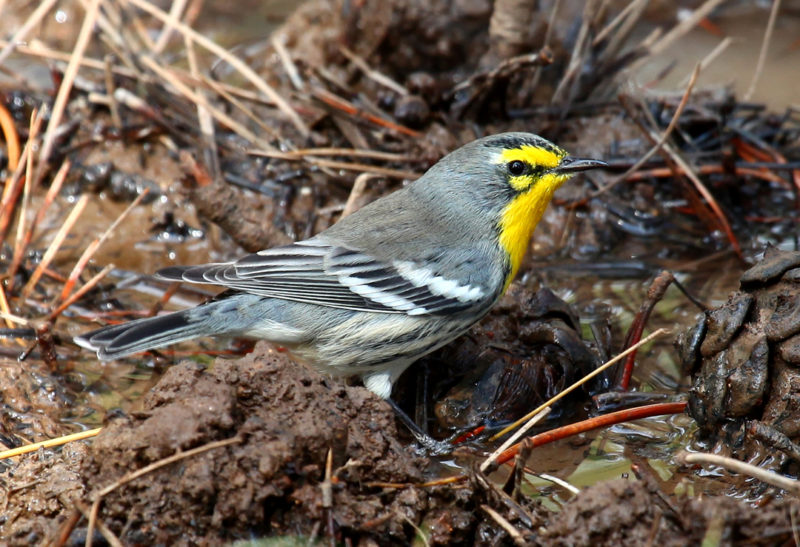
(270, 481)
(257, 446)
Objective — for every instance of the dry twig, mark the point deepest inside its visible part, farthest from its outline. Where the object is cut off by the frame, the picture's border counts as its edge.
(576, 385)
(11, 137)
(333, 164)
(88, 286)
(680, 30)
(372, 74)
(532, 421)
(356, 193)
(198, 99)
(104, 530)
(93, 247)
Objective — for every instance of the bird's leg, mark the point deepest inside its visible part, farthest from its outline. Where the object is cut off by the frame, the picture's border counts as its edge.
(428, 444)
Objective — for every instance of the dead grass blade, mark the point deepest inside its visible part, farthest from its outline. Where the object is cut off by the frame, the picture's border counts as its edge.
(204, 118)
(661, 141)
(535, 419)
(356, 192)
(786, 483)
(680, 30)
(49, 443)
(338, 103)
(762, 55)
(372, 74)
(364, 168)
(23, 211)
(577, 53)
(229, 58)
(51, 251)
(515, 535)
(113, 105)
(66, 84)
(711, 57)
(334, 164)
(11, 193)
(184, 90)
(33, 20)
(37, 49)
(704, 192)
(288, 64)
(227, 92)
(627, 25)
(25, 240)
(14, 185)
(619, 18)
(175, 11)
(80, 292)
(351, 152)
(108, 535)
(5, 309)
(680, 166)
(92, 248)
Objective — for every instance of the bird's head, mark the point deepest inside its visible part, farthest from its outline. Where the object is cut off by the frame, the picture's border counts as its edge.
(506, 181)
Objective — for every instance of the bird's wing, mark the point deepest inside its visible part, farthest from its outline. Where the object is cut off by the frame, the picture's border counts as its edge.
(316, 272)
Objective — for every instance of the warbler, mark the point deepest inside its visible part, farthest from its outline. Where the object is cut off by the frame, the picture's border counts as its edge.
(386, 285)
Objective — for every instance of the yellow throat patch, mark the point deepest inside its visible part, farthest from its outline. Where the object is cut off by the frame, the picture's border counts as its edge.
(521, 216)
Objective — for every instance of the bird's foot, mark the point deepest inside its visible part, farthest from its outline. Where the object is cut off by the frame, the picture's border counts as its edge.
(427, 445)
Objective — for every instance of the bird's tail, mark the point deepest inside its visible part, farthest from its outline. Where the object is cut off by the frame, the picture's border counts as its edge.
(142, 334)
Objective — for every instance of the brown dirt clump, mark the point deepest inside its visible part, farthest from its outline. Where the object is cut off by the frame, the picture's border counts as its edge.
(744, 358)
(625, 512)
(270, 483)
(287, 418)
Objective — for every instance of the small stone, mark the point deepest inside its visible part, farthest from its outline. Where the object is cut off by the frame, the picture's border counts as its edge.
(773, 265)
(412, 110)
(724, 322)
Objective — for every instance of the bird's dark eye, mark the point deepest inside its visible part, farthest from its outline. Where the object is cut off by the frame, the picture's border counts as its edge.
(516, 167)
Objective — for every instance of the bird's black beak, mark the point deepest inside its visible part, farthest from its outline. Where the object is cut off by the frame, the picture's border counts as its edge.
(573, 165)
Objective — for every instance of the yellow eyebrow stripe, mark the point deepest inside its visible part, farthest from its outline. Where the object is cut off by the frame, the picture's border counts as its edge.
(532, 155)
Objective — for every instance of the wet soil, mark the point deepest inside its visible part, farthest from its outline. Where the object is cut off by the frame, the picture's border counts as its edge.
(287, 419)
(280, 419)
(639, 515)
(283, 420)
(743, 357)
